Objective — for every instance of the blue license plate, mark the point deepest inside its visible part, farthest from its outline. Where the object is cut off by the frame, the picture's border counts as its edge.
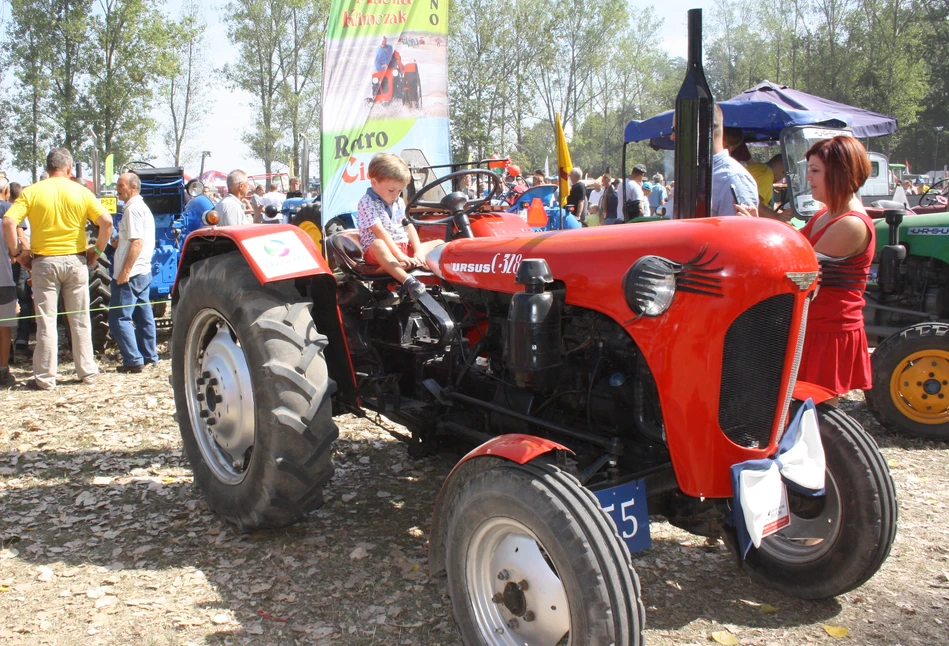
(626, 505)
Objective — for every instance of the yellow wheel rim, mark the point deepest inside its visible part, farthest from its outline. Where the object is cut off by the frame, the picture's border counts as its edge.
(313, 231)
(919, 387)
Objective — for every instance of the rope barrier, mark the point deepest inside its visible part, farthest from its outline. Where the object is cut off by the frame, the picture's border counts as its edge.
(90, 311)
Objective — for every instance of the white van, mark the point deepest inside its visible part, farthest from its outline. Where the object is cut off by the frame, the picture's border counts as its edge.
(878, 183)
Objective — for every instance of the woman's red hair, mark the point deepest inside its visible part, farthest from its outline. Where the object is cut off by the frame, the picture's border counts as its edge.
(847, 168)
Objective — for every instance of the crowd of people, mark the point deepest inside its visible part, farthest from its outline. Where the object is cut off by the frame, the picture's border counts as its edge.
(246, 202)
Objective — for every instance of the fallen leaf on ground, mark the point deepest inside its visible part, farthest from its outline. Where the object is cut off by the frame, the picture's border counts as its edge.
(767, 608)
(725, 638)
(837, 632)
(358, 553)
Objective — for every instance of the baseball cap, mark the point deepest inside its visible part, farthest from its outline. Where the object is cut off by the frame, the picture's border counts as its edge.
(647, 186)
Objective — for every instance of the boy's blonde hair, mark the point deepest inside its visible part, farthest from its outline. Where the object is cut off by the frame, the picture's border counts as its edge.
(389, 166)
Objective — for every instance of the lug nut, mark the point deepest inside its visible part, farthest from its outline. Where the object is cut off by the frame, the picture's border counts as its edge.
(206, 374)
(512, 623)
(199, 397)
(218, 399)
(503, 575)
(212, 421)
(204, 413)
(497, 598)
(529, 615)
(201, 381)
(522, 585)
(212, 381)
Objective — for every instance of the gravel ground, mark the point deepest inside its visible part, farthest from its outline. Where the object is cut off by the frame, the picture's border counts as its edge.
(105, 540)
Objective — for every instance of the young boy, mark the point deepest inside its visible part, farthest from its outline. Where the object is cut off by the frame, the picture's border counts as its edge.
(385, 242)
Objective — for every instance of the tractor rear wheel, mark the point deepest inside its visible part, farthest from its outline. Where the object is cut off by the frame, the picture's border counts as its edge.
(533, 559)
(910, 392)
(100, 297)
(835, 542)
(252, 393)
(334, 225)
(309, 218)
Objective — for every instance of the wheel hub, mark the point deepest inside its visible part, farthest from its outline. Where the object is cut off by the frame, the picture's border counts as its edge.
(515, 591)
(919, 387)
(220, 397)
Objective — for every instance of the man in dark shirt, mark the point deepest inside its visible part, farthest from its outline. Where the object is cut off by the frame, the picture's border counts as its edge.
(294, 188)
(578, 195)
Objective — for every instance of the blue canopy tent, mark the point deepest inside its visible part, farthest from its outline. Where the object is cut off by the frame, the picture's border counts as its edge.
(764, 111)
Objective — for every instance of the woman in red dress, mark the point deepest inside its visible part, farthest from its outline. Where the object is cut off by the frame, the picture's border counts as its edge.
(835, 344)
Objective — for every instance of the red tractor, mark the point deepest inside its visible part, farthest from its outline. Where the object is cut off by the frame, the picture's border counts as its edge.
(398, 81)
(600, 380)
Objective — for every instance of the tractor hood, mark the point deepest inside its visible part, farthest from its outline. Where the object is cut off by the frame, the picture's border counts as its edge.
(924, 235)
(591, 263)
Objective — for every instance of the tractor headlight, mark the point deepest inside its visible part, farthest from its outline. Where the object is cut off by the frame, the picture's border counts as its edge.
(210, 218)
(395, 74)
(650, 285)
(194, 188)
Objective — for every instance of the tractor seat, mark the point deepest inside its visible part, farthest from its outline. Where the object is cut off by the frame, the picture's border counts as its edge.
(346, 249)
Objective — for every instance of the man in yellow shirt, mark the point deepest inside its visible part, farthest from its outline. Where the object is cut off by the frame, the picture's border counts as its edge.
(58, 209)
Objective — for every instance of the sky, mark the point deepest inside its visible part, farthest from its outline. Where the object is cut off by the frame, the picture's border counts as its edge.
(231, 114)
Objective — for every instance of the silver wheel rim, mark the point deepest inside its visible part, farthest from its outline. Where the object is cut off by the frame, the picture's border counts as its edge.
(220, 396)
(515, 593)
(808, 537)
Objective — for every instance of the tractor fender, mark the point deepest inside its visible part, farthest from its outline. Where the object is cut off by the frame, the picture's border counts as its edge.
(804, 390)
(516, 447)
(274, 252)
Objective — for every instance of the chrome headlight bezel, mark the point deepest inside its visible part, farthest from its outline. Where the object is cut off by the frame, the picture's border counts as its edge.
(650, 285)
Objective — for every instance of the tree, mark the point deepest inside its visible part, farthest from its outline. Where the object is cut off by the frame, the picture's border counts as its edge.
(67, 35)
(129, 50)
(257, 27)
(476, 75)
(28, 52)
(301, 61)
(185, 90)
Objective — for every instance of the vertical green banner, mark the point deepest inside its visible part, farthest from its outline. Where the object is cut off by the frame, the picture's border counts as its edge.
(385, 89)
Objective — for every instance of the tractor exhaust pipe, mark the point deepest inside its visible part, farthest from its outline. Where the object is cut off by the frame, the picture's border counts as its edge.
(96, 177)
(304, 166)
(693, 132)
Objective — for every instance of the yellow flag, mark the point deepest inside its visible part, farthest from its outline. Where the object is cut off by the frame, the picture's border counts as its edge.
(564, 165)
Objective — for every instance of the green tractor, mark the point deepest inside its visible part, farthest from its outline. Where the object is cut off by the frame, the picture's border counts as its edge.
(907, 299)
(907, 319)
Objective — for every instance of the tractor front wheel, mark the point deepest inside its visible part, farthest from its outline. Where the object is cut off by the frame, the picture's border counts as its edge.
(910, 392)
(533, 559)
(252, 394)
(835, 542)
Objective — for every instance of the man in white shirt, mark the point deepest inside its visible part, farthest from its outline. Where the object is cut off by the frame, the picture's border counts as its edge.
(130, 319)
(634, 197)
(273, 197)
(230, 210)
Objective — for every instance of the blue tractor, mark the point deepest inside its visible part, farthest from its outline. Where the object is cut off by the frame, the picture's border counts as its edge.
(179, 207)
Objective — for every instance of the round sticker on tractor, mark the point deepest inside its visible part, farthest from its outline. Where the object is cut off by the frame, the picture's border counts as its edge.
(276, 248)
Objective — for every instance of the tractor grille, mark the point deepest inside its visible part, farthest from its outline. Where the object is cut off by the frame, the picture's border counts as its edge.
(753, 360)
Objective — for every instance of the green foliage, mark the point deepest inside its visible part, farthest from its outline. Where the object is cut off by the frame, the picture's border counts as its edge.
(129, 51)
(184, 89)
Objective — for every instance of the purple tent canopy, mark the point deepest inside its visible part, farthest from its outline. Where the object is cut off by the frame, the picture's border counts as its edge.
(766, 109)
(863, 122)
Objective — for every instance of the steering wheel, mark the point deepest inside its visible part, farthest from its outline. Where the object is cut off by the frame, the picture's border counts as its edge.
(132, 165)
(935, 194)
(457, 202)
